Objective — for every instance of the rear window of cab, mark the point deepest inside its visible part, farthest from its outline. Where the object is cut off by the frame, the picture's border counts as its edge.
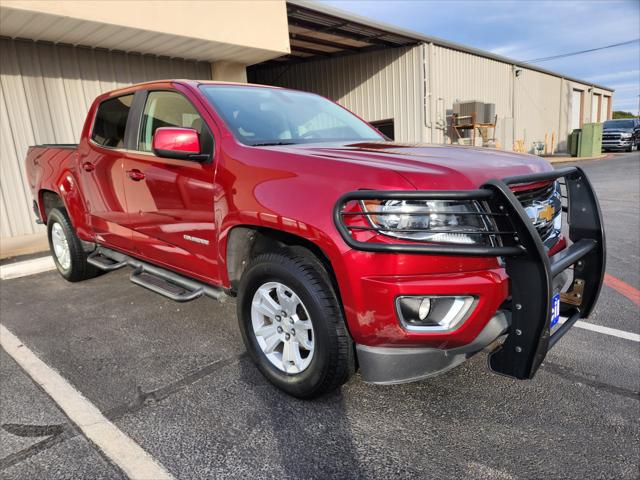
(110, 122)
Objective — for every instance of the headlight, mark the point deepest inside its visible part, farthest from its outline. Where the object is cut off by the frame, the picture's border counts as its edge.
(625, 135)
(438, 221)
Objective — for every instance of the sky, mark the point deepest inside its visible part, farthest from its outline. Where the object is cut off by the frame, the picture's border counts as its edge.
(530, 29)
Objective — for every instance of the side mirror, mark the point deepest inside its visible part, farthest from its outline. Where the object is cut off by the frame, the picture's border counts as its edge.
(180, 143)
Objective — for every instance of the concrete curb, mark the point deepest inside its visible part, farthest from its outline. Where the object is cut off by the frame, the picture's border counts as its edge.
(605, 156)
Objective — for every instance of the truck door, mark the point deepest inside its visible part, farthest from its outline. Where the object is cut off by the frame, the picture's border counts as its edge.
(170, 202)
(101, 173)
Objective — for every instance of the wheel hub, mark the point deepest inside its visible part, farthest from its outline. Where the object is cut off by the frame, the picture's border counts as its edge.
(283, 328)
(60, 246)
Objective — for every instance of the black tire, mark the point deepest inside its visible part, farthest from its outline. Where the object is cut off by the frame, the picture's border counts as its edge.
(333, 360)
(78, 269)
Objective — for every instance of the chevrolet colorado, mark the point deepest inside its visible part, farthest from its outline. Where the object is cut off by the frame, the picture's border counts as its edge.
(345, 250)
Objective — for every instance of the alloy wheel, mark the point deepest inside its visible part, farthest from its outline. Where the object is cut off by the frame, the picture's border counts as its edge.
(282, 327)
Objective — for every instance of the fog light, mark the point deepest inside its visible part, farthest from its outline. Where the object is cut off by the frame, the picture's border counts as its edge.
(434, 313)
(425, 308)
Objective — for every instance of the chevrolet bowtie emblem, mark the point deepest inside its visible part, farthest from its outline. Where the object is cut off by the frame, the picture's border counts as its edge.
(546, 213)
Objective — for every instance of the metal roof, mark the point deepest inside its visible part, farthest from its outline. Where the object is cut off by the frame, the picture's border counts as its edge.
(317, 31)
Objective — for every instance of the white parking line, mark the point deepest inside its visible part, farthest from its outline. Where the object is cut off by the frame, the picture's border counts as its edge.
(614, 332)
(26, 267)
(116, 445)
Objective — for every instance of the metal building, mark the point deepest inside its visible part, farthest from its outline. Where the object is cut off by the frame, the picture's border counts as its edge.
(408, 82)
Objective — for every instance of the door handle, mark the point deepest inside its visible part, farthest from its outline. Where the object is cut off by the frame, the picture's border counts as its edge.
(88, 167)
(135, 175)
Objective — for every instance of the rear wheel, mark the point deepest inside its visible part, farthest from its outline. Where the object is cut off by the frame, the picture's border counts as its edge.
(292, 324)
(66, 248)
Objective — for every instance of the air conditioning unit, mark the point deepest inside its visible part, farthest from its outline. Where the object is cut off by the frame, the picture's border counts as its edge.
(489, 113)
(467, 109)
(483, 112)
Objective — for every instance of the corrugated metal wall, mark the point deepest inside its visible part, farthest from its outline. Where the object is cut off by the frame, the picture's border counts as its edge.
(45, 93)
(537, 106)
(376, 85)
(461, 76)
(417, 87)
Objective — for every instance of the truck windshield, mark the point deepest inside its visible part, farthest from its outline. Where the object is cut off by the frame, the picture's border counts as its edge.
(618, 124)
(267, 116)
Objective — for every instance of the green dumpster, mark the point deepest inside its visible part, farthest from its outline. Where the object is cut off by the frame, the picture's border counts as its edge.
(590, 142)
(574, 142)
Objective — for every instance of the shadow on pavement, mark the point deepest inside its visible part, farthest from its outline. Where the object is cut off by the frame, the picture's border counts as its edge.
(313, 437)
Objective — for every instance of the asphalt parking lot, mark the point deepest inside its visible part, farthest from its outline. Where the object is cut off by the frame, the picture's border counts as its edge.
(175, 378)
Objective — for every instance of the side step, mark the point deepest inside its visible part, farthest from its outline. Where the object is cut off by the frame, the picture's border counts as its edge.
(98, 260)
(159, 280)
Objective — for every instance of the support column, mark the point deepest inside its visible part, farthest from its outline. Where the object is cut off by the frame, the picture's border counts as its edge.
(229, 72)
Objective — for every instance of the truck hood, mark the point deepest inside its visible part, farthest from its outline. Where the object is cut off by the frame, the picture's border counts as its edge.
(617, 130)
(430, 167)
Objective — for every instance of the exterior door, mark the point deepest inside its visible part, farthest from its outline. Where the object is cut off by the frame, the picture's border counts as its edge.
(170, 201)
(101, 173)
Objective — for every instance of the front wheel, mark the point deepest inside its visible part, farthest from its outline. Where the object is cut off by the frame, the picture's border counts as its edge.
(292, 324)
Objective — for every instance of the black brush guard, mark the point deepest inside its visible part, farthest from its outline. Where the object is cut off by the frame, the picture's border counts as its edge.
(531, 271)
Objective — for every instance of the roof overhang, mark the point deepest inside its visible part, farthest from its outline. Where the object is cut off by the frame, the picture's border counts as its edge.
(317, 31)
(173, 29)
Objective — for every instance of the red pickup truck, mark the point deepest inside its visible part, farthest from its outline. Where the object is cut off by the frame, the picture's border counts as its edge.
(345, 250)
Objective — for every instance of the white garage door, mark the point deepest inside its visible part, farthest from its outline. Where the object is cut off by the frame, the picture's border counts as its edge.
(595, 107)
(576, 108)
(604, 115)
(45, 93)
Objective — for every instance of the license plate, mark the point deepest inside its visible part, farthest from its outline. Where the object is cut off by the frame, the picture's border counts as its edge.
(555, 310)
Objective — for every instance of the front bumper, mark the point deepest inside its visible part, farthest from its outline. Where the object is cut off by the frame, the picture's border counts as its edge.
(531, 273)
(617, 144)
(391, 365)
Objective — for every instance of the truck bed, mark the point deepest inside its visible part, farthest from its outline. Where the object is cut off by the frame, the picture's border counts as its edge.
(45, 165)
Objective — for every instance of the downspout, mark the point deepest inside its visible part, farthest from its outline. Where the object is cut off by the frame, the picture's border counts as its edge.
(432, 106)
(428, 105)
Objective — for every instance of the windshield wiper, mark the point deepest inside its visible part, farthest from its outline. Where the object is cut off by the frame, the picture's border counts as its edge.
(271, 144)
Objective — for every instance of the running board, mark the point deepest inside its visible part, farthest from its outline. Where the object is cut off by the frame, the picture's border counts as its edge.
(171, 285)
(106, 264)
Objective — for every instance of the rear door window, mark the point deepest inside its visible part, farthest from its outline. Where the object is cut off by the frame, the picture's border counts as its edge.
(111, 121)
(168, 109)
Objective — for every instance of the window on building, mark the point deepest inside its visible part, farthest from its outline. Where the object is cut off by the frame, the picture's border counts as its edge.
(385, 127)
(167, 109)
(111, 121)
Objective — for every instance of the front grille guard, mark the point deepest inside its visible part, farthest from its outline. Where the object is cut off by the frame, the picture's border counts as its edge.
(531, 271)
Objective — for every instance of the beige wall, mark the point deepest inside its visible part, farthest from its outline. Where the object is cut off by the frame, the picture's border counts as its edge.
(229, 72)
(461, 76)
(45, 92)
(537, 100)
(247, 31)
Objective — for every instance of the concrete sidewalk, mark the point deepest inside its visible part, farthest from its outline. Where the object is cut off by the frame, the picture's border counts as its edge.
(562, 159)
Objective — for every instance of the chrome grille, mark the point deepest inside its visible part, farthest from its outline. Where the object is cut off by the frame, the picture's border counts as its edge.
(535, 198)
